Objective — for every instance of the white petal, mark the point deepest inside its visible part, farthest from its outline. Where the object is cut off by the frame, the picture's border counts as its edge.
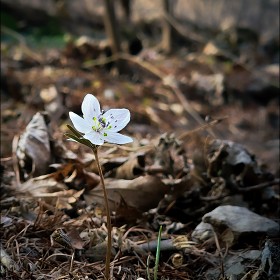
(94, 137)
(79, 123)
(118, 118)
(90, 107)
(117, 138)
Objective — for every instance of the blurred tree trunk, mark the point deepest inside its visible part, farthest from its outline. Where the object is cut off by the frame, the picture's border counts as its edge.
(126, 6)
(113, 33)
(167, 29)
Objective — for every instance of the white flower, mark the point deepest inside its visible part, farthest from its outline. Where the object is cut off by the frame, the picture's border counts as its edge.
(98, 126)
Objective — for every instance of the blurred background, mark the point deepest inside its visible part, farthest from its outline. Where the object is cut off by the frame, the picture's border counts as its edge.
(173, 63)
(80, 17)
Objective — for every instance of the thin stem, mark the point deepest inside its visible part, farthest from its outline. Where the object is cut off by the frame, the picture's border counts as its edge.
(109, 225)
(157, 253)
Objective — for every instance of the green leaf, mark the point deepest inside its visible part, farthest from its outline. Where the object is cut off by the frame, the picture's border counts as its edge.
(79, 137)
(72, 136)
(157, 253)
(79, 140)
(86, 142)
(76, 132)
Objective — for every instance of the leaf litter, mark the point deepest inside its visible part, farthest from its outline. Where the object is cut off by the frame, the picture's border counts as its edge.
(179, 168)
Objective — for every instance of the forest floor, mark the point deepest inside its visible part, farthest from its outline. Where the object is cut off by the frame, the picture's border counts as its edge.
(205, 124)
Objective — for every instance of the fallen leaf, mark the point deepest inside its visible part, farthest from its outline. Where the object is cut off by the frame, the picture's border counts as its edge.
(33, 149)
(142, 193)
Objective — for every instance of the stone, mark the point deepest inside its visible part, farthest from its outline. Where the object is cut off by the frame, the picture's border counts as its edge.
(202, 232)
(240, 221)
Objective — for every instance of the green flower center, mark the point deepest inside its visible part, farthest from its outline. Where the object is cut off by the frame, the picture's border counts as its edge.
(100, 123)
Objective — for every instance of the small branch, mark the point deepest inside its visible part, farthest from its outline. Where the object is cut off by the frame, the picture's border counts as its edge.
(220, 253)
(184, 31)
(22, 43)
(213, 198)
(260, 186)
(109, 225)
(169, 82)
(202, 127)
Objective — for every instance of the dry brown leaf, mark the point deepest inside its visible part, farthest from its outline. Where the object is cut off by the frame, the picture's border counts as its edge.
(76, 240)
(125, 213)
(41, 185)
(170, 155)
(76, 174)
(142, 193)
(33, 149)
(227, 158)
(132, 168)
(51, 191)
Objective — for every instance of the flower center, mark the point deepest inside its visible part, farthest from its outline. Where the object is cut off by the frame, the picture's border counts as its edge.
(100, 124)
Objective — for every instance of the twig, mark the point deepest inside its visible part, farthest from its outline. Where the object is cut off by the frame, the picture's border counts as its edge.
(204, 126)
(212, 198)
(220, 253)
(71, 262)
(147, 267)
(259, 186)
(159, 74)
(187, 33)
(56, 255)
(22, 43)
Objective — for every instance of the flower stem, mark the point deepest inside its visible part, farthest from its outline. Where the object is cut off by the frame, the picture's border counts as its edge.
(109, 225)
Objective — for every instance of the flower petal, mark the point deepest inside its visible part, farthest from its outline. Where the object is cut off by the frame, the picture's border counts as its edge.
(94, 137)
(79, 123)
(90, 107)
(117, 138)
(118, 118)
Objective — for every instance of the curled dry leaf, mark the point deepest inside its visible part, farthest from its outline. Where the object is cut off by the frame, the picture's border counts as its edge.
(132, 168)
(33, 149)
(171, 157)
(76, 240)
(142, 193)
(67, 239)
(177, 260)
(40, 186)
(60, 237)
(51, 191)
(76, 175)
(226, 158)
